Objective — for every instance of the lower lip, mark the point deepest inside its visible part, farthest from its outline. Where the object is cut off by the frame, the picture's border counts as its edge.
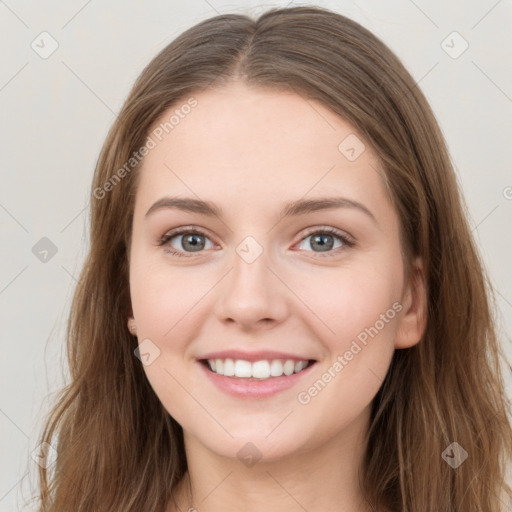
(245, 388)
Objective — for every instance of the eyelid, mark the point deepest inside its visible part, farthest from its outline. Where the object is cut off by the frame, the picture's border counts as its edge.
(186, 229)
(330, 230)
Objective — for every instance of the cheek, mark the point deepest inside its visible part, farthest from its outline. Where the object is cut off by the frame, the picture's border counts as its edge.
(361, 310)
(350, 300)
(163, 306)
(163, 297)
(168, 305)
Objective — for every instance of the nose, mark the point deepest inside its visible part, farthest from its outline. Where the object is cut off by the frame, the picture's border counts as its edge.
(252, 295)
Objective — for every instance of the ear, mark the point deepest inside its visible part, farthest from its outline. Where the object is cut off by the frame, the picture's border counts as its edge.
(413, 320)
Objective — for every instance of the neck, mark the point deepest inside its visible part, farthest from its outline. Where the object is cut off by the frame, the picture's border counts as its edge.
(324, 477)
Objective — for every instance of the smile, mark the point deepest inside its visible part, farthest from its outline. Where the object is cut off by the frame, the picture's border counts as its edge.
(259, 379)
(264, 369)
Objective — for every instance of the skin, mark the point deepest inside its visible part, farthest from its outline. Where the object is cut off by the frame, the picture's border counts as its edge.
(250, 150)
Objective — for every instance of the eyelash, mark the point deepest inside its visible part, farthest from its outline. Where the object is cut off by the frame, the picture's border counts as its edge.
(347, 241)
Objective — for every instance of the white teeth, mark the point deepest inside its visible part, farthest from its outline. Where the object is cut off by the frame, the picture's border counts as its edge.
(300, 365)
(276, 368)
(243, 368)
(257, 370)
(288, 367)
(261, 370)
(229, 368)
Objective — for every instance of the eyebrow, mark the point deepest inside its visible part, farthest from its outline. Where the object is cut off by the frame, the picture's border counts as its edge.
(292, 208)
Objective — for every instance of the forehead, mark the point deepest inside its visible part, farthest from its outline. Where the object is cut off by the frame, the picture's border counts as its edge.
(246, 142)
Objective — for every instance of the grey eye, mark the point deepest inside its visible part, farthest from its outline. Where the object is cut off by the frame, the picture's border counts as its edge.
(191, 242)
(324, 242)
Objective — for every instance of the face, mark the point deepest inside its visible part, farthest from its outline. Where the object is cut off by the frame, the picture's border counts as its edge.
(323, 285)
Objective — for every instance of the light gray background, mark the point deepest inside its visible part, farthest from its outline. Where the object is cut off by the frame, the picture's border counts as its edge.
(56, 112)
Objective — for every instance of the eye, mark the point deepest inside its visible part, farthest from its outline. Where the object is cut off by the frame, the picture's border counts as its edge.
(324, 240)
(192, 240)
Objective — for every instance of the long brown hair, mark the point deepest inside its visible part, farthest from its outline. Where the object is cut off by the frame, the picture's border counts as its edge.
(117, 447)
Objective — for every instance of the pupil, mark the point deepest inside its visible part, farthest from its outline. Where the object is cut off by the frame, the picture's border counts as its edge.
(192, 239)
(321, 240)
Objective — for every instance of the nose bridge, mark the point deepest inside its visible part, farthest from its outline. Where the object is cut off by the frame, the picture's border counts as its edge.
(252, 291)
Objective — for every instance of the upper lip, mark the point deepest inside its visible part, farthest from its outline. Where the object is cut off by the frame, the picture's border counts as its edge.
(261, 355)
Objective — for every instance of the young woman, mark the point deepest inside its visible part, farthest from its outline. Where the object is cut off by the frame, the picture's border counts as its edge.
(282, 307)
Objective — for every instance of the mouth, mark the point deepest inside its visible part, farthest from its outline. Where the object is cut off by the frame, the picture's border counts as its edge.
(262, 370)
(259, 379)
